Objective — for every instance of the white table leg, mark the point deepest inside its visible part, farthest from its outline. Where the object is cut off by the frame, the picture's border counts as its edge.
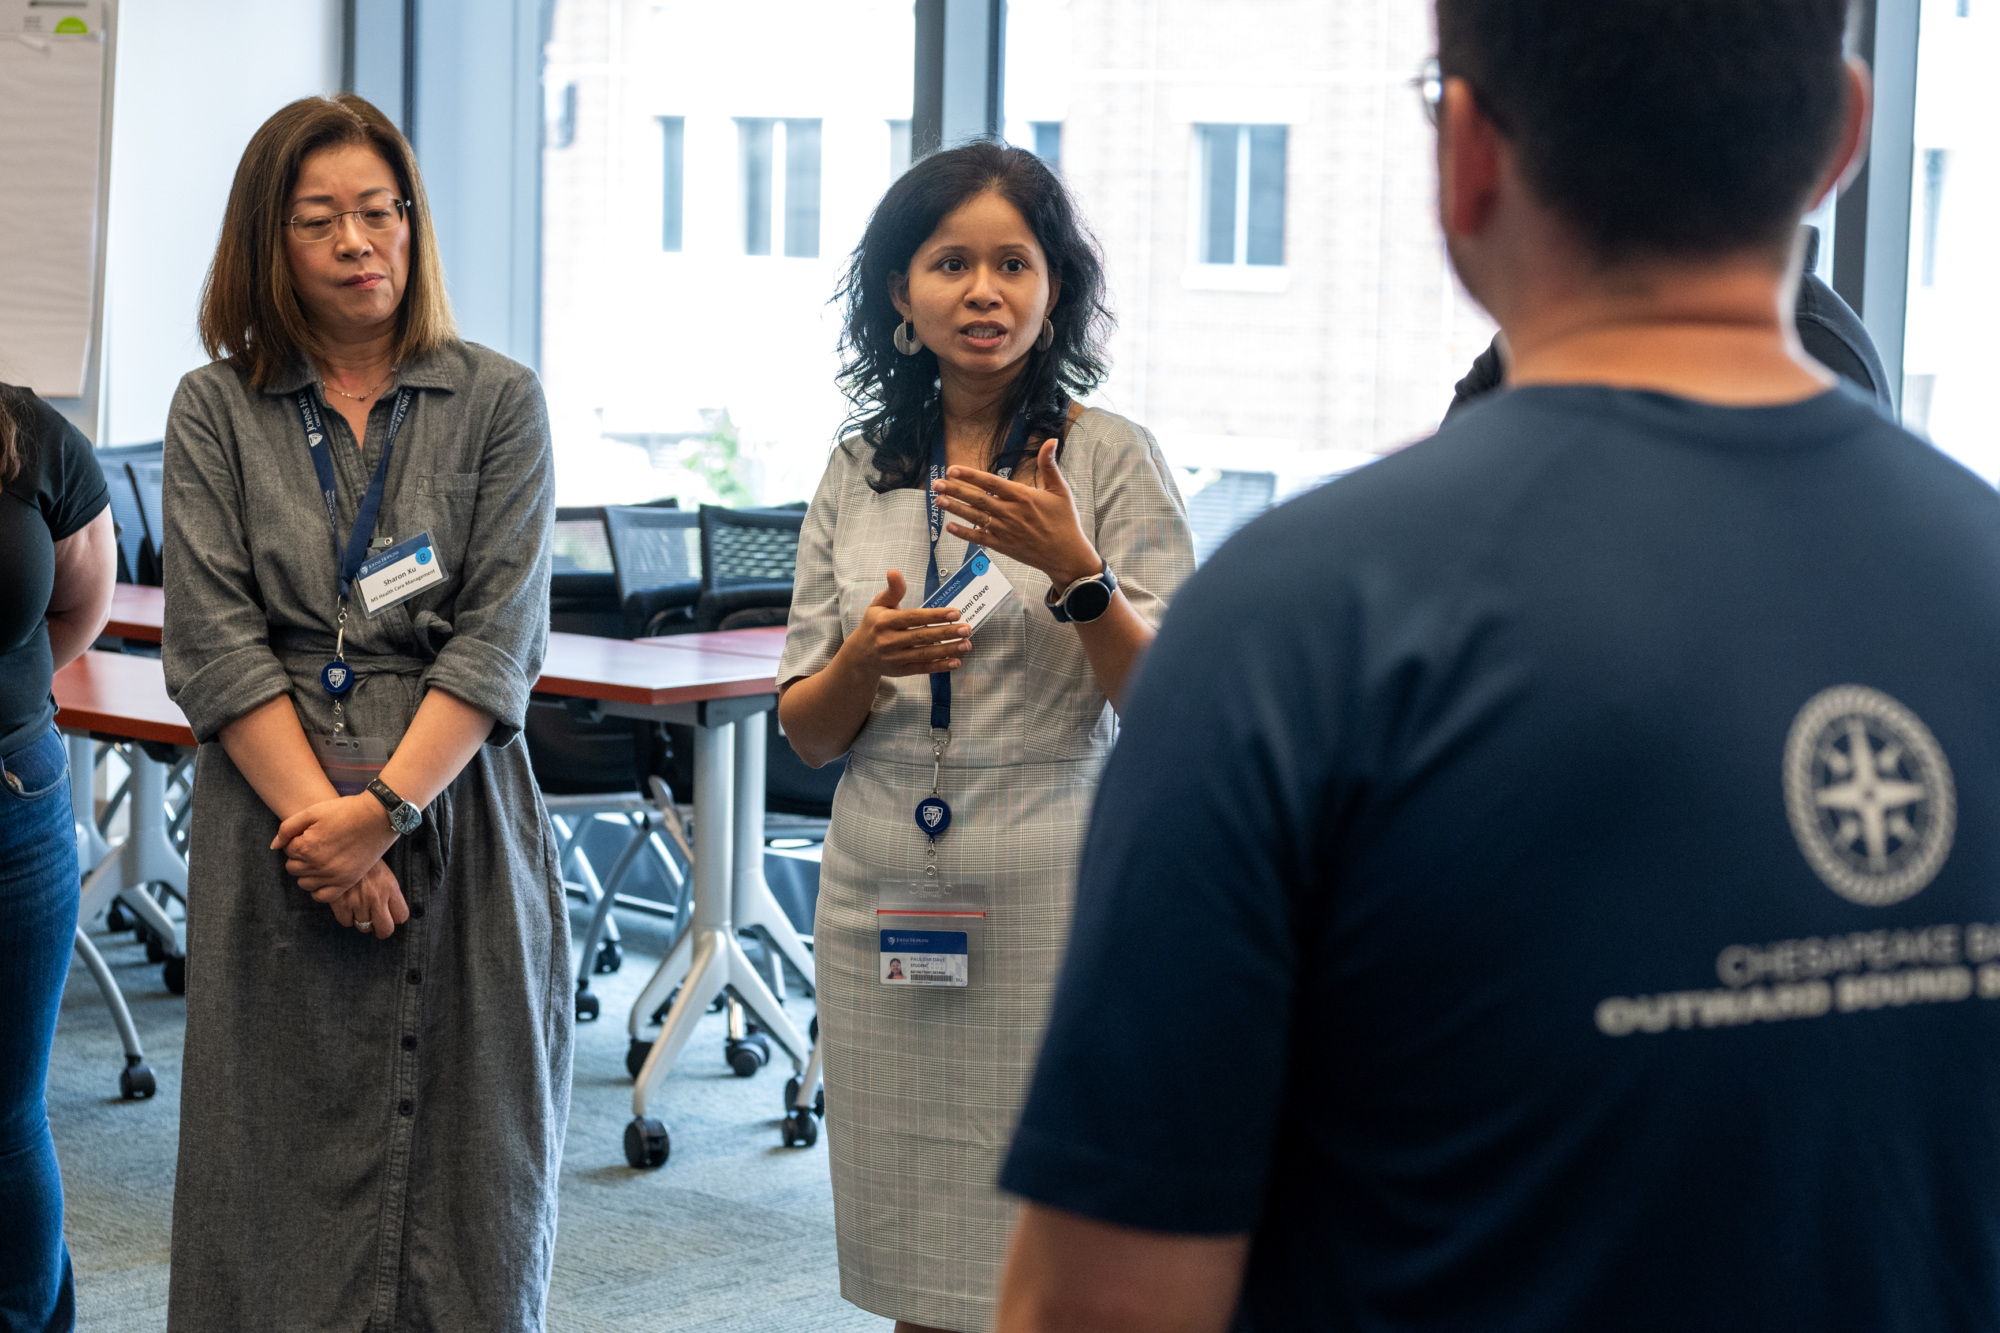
(146, 856)
(91, 846)
(754, 904)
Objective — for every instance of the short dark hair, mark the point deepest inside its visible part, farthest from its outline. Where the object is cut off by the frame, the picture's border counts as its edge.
(895, 398)
(1659, 128)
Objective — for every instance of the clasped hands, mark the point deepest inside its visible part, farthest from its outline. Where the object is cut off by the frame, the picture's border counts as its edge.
(335, 850)
(1036, 525)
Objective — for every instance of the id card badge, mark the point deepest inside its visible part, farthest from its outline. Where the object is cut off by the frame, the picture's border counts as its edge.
(977, 589)
(351, 762)
(931, 934)
(399, 573)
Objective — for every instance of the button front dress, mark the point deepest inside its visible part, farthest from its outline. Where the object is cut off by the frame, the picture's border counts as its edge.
(370, 1130)
(923, 1085)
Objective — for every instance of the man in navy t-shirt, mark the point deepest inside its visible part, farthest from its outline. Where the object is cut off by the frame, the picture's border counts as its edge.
(1550, 879)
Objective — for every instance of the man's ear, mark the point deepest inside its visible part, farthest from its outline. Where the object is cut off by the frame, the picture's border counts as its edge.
(899, 293)
(1470, 150)
(1857, 118)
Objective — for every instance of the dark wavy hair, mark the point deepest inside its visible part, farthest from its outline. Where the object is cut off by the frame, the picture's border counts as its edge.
(896, 398)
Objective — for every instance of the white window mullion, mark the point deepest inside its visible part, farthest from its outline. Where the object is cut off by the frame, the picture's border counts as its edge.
(1242, 194)
(779, 179)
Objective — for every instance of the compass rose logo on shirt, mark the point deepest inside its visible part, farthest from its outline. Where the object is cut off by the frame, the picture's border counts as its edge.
(1869, 795)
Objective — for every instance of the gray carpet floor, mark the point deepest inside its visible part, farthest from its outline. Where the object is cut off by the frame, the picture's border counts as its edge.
(734, 1233)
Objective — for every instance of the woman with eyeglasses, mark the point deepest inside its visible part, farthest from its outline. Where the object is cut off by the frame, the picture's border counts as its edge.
(358, 509)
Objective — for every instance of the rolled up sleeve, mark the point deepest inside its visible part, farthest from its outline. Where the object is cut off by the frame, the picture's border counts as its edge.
(500, 620)
(215, 639)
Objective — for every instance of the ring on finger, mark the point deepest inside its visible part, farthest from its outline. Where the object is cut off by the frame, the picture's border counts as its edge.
(364, 925)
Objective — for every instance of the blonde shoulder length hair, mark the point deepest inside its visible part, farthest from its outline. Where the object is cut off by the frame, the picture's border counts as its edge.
(250, 312)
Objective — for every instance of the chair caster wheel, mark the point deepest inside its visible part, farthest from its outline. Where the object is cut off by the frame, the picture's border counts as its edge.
(135, 1083)
(812, 1029)
(660, 1014)
(609, 958)
(646, 1144)
(792, 1098)
(748, 1055)
(586, 1007)
(800, 1130)
(156, 951)
(175, 973)
(635, 1056)
(116, 918)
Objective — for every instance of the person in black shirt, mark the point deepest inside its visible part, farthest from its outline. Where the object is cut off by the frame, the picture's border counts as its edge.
(58, 556)
(1548, 879)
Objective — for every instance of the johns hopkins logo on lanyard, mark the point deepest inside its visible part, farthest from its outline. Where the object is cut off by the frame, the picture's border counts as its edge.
(1869, 795)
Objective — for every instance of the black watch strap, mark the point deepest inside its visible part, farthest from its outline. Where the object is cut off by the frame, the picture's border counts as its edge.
(403, 817)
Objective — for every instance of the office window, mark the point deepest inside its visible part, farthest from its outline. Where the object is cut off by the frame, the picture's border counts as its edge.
(1263, 186)
(673, 171)
(1242, 194)
(1048, 142)
(753, 139)
(787, 203)
(899, 148)
(1950, 340)
(694, 231)
(802, 189)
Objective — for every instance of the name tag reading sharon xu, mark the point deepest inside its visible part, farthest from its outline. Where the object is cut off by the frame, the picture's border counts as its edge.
(399, 573)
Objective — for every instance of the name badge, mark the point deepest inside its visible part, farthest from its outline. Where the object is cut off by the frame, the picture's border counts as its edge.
(977, 589)
(924, 958)
(350, 762)
(399, 573)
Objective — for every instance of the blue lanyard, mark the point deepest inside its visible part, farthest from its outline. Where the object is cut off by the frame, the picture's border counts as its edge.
(320, 445)
(1010, 458)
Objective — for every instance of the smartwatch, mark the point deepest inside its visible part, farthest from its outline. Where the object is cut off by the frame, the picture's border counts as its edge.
(1085, 600)
(403, 817)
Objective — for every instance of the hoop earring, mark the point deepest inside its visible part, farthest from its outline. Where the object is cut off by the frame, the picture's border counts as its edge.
(1048, 338)
(906, 339)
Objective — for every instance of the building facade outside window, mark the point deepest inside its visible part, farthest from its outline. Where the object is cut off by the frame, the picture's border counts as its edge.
(1048, 142)
(694, 230)
(1262, 180)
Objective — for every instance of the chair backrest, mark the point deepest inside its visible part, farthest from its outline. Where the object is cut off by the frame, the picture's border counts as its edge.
(133, 473)
(1218, 509)
(658, 558)
(745, 546)
(583, 591)
(749, 558)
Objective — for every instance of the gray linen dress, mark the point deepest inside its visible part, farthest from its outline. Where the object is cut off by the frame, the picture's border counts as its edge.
(370, 1131)
(923, 1086)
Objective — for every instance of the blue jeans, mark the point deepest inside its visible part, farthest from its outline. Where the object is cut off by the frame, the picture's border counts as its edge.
(38, 901)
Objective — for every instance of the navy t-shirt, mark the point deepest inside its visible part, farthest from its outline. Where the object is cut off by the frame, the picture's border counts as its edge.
(1550, 880)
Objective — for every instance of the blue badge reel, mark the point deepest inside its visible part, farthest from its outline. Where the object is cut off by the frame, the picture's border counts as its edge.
(336, 678)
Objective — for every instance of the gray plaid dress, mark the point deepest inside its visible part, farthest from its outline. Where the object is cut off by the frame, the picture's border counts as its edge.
(370, 1130)
(923, 1085)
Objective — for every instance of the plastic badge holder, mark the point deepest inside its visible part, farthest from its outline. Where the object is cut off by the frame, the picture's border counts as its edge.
(931, 933)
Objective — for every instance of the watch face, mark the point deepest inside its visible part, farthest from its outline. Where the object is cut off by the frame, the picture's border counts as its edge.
(1087, 601)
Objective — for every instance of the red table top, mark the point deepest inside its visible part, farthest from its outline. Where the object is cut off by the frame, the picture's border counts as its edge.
(119, 695)
(136, 612)
(685, 669)
(127, 696)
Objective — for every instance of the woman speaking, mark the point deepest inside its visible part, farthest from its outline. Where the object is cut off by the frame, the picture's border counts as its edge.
(358, 509)
(1052, 537)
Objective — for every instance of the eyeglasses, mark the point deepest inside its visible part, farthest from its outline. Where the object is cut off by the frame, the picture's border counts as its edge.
(1429, 84)
(376, 217)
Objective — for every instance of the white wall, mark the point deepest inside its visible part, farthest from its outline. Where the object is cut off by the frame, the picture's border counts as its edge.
(195, 79)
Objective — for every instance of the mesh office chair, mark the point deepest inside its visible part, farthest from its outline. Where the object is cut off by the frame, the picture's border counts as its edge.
(138, 550)
(1218, 509)
(748, 558)
(657, 557)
